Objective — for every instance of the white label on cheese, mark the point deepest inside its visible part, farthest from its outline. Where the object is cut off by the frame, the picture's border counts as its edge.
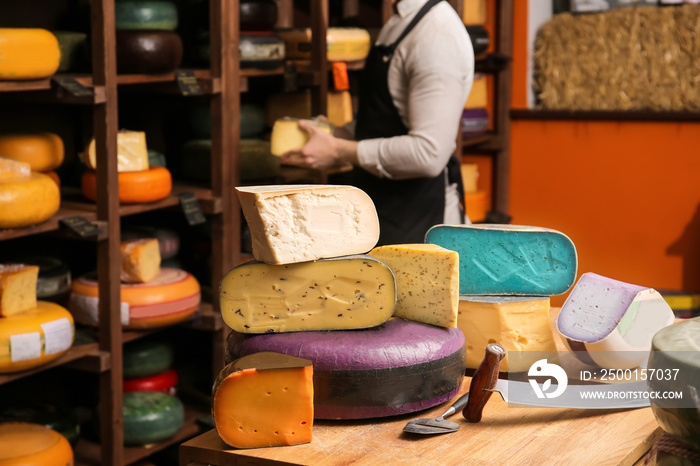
(125, 313)
(86, 310)
(25, 346)
(58, 335)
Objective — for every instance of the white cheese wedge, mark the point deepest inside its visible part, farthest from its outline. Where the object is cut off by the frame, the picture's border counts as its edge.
(132, 153)
(297, 223)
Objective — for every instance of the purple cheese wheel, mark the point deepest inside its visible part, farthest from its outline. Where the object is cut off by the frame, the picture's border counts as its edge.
(396, 368)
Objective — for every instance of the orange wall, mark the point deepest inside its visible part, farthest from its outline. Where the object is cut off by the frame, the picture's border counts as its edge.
(626, 193)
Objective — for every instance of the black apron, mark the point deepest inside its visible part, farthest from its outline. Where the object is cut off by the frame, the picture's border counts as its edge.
(406, 208)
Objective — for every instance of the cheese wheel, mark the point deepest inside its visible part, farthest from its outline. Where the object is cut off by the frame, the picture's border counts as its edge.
(12, 169)
(28, 201)
(28, 54)
(54, 279)
(134, 187)
(28, 444)
(261, 50)
(60, 418)
(145, 358)
(343, 44)
(54, 176)
(151, 417)
(257, 15)
(172, 297)
(42, 151)
(148, 51)
(164, 383)
(74, 50)
(475, 121)
(35, 337)
(480, 39)
(145, 14)
(396, 368)
(286, 134)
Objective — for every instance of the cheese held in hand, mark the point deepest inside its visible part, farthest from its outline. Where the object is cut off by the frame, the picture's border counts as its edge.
(17, 288)
(427, 282)
(140, 260)
(334, 294)
(286, 134)
(297, 223)
(264, 400)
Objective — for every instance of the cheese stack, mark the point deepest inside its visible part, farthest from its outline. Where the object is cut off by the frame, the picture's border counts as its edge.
(32, 333)
(151, 296)
(315, 293)
(507, 274)
(148, 367)
(138, 181)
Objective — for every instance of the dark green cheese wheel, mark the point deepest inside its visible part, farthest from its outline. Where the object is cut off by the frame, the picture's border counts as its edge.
(143, 358)
(74, 50)
(156, 158)
(151, 417)
(145, 14)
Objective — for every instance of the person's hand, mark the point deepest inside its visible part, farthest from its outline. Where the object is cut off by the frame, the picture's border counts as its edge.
(320, 152)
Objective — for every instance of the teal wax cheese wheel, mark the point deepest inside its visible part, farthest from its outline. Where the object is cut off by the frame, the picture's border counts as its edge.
(150, 417)
(143, 358)
(145, 14)
(509, 259)
(74, 50)
(256, 161)
(156, 158)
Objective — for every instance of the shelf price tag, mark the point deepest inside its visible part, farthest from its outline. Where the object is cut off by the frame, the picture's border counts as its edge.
(73, 86)
(290, 77)
(187, 82)
(80, 226)
(190, 206)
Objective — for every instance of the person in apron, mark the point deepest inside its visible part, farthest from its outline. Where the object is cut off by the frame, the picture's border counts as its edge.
(403, 159)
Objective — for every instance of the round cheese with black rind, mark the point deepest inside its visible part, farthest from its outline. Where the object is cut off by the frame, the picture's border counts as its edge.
(144, 358)
(54, 279)
(151, 417)
(28, 444)
(145, 14)
(675, 351)
(257, 15)
(260, 50)
(172, 297)
(396, 368)
(148, 51)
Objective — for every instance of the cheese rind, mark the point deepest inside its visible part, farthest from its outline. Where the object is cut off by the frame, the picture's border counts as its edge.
(427, 282)
(286, 134)
(132, 153)
(134, 187)
(27, 201)
(521, 325)
(43, 151)
(264, 400)
(140, 260)
(296, 223)
(611, 323)
(343, 293)
(12, 169)
(17, 288)
(30, 444)
(28, 53)
(509, 259)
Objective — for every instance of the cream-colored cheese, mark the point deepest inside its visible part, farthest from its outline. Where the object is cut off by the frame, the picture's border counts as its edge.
(427, 282)
(17, 288)
(132, 153)
(286, 134)
(140, 260)
(520, 324)
(296, 223)
(336, 294)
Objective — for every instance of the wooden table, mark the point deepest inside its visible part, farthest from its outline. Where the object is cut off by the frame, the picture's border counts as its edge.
(505, 436)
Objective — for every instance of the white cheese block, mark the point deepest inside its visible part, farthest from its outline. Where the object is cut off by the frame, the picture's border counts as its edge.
(610, 323)
(297, 223)
(132, 153)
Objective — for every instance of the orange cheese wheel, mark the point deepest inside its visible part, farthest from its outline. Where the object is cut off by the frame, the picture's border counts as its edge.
(28, 53)
(35, 337)
(54, 176)
(27, 201)
(27, 444)
(172, 297)
(134, 187)
(43, 152)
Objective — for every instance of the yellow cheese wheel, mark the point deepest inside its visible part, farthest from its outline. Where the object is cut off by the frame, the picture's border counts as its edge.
(28, 53)
(134, 187)
(27, 201)
(43, 151)
(342, 44)
(27, 444)
(35, 337)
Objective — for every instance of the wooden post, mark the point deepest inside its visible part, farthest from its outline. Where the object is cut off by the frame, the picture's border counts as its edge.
(502, 104)
(319, 56)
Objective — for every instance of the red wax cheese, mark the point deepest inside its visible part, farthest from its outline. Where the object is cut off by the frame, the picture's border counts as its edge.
(395, 368)
(264, 400)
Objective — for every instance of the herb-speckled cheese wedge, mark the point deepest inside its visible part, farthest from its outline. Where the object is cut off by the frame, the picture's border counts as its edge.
(333, 294)
(427, 282)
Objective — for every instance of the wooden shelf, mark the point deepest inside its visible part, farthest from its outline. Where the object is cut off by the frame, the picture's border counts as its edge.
(30, 85)
(51, 224)
(74, 353)
(88, 453)
(601, 115)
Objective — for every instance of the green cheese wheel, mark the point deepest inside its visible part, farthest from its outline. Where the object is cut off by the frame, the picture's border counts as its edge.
(151, 417)
(74, 50)
(145, 14)
(256, 161)
(156, 158)
(143, 358)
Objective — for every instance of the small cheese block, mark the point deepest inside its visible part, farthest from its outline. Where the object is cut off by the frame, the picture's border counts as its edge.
(286, 134)
(298, 105)
(168, 240)
(521, 325)
(13, 169)
(132, 153)
(610, 323)
(296, 223)
(264, 400)
(17, 288)
(43, 151)
(427, 282)
(151, 417)
(396, 368)
(28, 53)
(509, 259)
(134, 187)
(35, 337)
(145, 14)
(27, 201)
(140, 260)
(29, 444)
(478, 96)
(341, 293)
(474, 11)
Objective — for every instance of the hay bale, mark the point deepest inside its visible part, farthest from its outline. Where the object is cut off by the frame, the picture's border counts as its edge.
(645, 58)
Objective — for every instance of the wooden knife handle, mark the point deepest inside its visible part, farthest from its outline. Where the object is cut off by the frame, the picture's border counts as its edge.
(484, 379)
